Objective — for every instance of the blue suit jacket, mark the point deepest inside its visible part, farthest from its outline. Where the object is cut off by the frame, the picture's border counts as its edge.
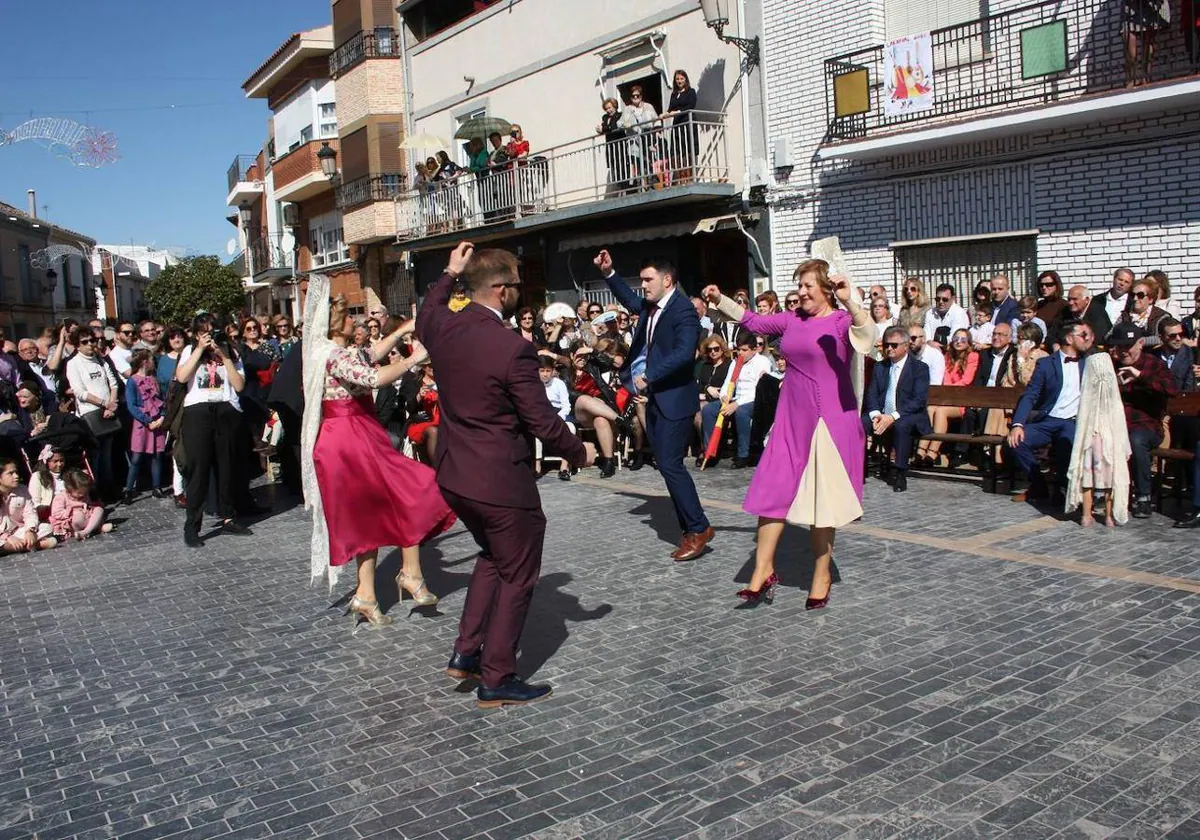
(1042, 392)
(1008, 311)
(1181, 367)
(672, 356)
(912, 391)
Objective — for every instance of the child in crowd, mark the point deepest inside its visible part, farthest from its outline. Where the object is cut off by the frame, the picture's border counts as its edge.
(556, 393)
(20, 529)
(1027, 314)
(981, 329)
(73, 513)
(144, 399)
(46, 481)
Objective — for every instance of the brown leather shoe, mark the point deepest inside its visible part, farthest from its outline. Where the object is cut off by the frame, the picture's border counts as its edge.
(693, 544)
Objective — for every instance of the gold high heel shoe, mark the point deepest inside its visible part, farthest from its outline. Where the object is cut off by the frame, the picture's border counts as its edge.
(415, 587)
(370, 611)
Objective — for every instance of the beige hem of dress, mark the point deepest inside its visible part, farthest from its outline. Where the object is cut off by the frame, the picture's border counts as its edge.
(825, 497)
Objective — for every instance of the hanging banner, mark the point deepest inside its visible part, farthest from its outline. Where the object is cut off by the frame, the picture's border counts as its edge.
(908, 75)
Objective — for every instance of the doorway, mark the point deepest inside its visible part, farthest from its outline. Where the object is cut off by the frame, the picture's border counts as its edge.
(652, 91)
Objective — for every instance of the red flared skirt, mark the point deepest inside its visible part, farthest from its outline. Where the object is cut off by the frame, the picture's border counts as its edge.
(372, 495)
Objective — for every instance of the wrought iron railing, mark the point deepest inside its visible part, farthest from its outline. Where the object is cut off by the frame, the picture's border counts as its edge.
(243, 169)
(381, 187)
(655, 156)
(1037, 54)
(269, 254)
(380, 42)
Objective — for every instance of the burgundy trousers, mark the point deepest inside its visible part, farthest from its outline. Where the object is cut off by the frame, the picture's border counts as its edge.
(509, 563)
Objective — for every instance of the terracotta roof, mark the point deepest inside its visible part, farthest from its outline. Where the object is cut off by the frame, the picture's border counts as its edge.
(8, 210)
(295, 36)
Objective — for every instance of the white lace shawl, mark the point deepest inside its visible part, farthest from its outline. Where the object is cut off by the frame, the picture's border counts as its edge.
(317, 350)
(1102, 413)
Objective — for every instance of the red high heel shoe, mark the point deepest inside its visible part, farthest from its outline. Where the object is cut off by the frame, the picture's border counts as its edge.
(818, 603)
(765, 593)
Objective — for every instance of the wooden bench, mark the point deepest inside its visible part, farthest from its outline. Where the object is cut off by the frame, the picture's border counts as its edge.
(981, 398)
(1184, 405)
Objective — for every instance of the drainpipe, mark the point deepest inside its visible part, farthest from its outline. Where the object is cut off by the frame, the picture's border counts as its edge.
(32, 194)
(406, 69)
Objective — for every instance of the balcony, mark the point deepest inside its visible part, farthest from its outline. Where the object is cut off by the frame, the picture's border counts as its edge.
(298, 174)
(584, 177)
(370, 188)
(269, 257)
(245, 180)
(381, 42)
(1041, 66)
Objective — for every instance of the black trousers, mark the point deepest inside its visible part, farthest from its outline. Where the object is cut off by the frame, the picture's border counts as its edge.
(210, 437)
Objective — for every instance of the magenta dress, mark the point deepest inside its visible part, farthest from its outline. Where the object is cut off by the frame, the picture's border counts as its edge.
(142, 438)
(812, 470)
(372, 495)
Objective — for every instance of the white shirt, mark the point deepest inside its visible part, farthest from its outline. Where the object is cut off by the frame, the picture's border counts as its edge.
(937, 364)
(210, 383)
(556, 392)
(889, 398)
(983, 333)
(996, 304)
(753, 370)
(1114, 307)
(654, 314)
(956, 319)
(994, 373)
(1041, 325)
(90, 375)
(1067, 405)
(120, 359)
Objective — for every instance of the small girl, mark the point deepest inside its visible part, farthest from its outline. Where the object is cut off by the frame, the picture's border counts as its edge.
(73, 514)
(144, 399)
(19, 526)
(1100, 454)
(46, 481)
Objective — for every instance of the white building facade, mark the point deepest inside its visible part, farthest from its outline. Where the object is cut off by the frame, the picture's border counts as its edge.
(1033, 154)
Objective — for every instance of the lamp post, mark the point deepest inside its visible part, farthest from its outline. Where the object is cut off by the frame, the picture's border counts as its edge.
(245, 215)
(50, 285)
(327, 157)
(716, 16)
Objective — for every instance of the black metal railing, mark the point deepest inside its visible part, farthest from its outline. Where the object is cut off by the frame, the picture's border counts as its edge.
(1037, 54)
(381, 42)
(382, 187)
(243, 168)
(269, 254)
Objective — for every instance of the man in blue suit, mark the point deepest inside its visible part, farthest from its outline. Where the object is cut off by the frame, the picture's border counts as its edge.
(896, 403)
(1045, 413)
(660, 367)
(1004, 305)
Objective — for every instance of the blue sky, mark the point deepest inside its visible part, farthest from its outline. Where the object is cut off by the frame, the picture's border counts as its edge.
(113, 64)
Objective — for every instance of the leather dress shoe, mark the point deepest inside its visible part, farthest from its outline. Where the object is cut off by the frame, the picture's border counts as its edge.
(463, 666)
(1141, 509)
(232, 527)
(692, 544)
(900, 481)
(1192, 521)
(192, 539)
(514, 691)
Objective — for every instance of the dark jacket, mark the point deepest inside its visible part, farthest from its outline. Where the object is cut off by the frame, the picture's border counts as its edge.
(1042, 392)
(912, 391)
(1180, 366)
(985, 365)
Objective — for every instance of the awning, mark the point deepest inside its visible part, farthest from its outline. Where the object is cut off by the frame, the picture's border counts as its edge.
(710, 225)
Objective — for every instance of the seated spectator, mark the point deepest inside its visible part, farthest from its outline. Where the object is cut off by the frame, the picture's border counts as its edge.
(20, 529)
(881, 315)
(389, 404)
(1045, 413)
(931, 356)
(712, 369)
(556, 393)
(981, 327)
(74, 513)
(766, 303)
(945, 318)
(1027, 314)
(1181, 361)
(766, 402)
(421, 404)
(895, 405)
(1143, 314)
(1100, 455)
(1191, 321)
(1052, 308)
(1028, 352)
(526, 319)
(594, 404)
(962, 364)
(1146, 387)
(46, 481)
(737, 397)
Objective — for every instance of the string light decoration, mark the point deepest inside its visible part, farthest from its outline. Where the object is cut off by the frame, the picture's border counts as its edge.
(83, 145)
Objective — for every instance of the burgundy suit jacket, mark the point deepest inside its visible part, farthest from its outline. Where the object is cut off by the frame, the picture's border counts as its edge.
(493, 404)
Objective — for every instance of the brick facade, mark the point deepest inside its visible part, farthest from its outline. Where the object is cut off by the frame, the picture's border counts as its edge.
(376, 86)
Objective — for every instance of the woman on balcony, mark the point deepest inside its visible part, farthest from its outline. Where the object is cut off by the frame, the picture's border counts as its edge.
(1143, 20)
(614, 152)
(640, 122)
(685, 139)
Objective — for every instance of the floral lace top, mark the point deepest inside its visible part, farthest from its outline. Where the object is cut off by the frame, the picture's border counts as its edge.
(347, 376)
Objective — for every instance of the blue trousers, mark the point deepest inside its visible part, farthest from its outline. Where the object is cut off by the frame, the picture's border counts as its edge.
(741, 420)
(1141, 443)
(135, 469)
(1052, 432)
(670, 439)
(901, 436)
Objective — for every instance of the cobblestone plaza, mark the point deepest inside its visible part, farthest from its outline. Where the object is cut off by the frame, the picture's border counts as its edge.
(984, 670)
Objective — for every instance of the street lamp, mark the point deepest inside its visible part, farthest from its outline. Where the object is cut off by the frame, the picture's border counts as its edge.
(716, 16)
(327, 157)
(245, 213)
(50, 285)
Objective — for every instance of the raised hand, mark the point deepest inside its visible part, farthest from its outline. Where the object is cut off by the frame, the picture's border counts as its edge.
(711, 293)
(418, 355)
(459, 258)
(603, 262)
(841, 287)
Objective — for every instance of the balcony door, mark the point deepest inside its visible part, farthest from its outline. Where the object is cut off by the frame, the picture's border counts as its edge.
(464, 160)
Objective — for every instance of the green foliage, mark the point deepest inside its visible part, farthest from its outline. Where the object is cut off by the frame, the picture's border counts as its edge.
(192, 285)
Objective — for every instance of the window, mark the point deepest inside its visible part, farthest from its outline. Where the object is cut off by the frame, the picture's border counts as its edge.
(306, 133)
(70, 298)
(905, 18)
(384, 40)
(328, 119)
(327, 245)
(28, 294)
(965, 264)
(85, 281)
(464, 159)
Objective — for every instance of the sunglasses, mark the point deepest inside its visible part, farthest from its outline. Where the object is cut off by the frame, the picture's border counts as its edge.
(944, 299)
(1050, 284)
(84, 341)
(792, 302)
(126, 332)
(962, 340)
(1172, 335)
(916, 338)
(712, 349)
(912, 289)
(1141, 295)
(891, 345)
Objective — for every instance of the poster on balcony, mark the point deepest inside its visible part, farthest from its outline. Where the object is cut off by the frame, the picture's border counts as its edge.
(908, 75)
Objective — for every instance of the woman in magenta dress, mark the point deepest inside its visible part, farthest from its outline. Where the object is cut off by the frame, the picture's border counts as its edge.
(362, 492)
(812, 471)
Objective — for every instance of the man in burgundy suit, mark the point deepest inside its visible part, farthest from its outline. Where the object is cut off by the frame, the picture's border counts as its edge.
(493, 405)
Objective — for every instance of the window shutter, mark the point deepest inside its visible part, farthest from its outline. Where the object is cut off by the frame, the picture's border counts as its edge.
(389, 148)
(382, 14)
(904, 17)
(356, 162)
(347, 21)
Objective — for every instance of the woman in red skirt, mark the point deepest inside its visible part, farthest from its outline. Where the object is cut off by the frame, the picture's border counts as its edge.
(362, 492)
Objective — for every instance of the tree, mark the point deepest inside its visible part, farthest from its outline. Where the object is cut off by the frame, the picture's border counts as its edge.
(192, 285)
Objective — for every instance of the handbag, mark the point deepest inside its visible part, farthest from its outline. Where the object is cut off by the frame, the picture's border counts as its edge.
(101, 425)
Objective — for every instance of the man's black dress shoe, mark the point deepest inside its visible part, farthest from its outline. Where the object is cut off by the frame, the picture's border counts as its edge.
(192, 539)
(232, 527)
(1192, 521)
(514, 691)
(900, 481)
(463, 666)
(1142, 509)
(740, 463)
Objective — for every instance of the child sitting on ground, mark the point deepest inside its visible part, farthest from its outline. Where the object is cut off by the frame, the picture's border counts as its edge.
(46, 481)
(73, 513)
(19, 526)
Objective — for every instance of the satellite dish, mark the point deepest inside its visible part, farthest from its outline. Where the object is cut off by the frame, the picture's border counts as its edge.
(231, 247)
